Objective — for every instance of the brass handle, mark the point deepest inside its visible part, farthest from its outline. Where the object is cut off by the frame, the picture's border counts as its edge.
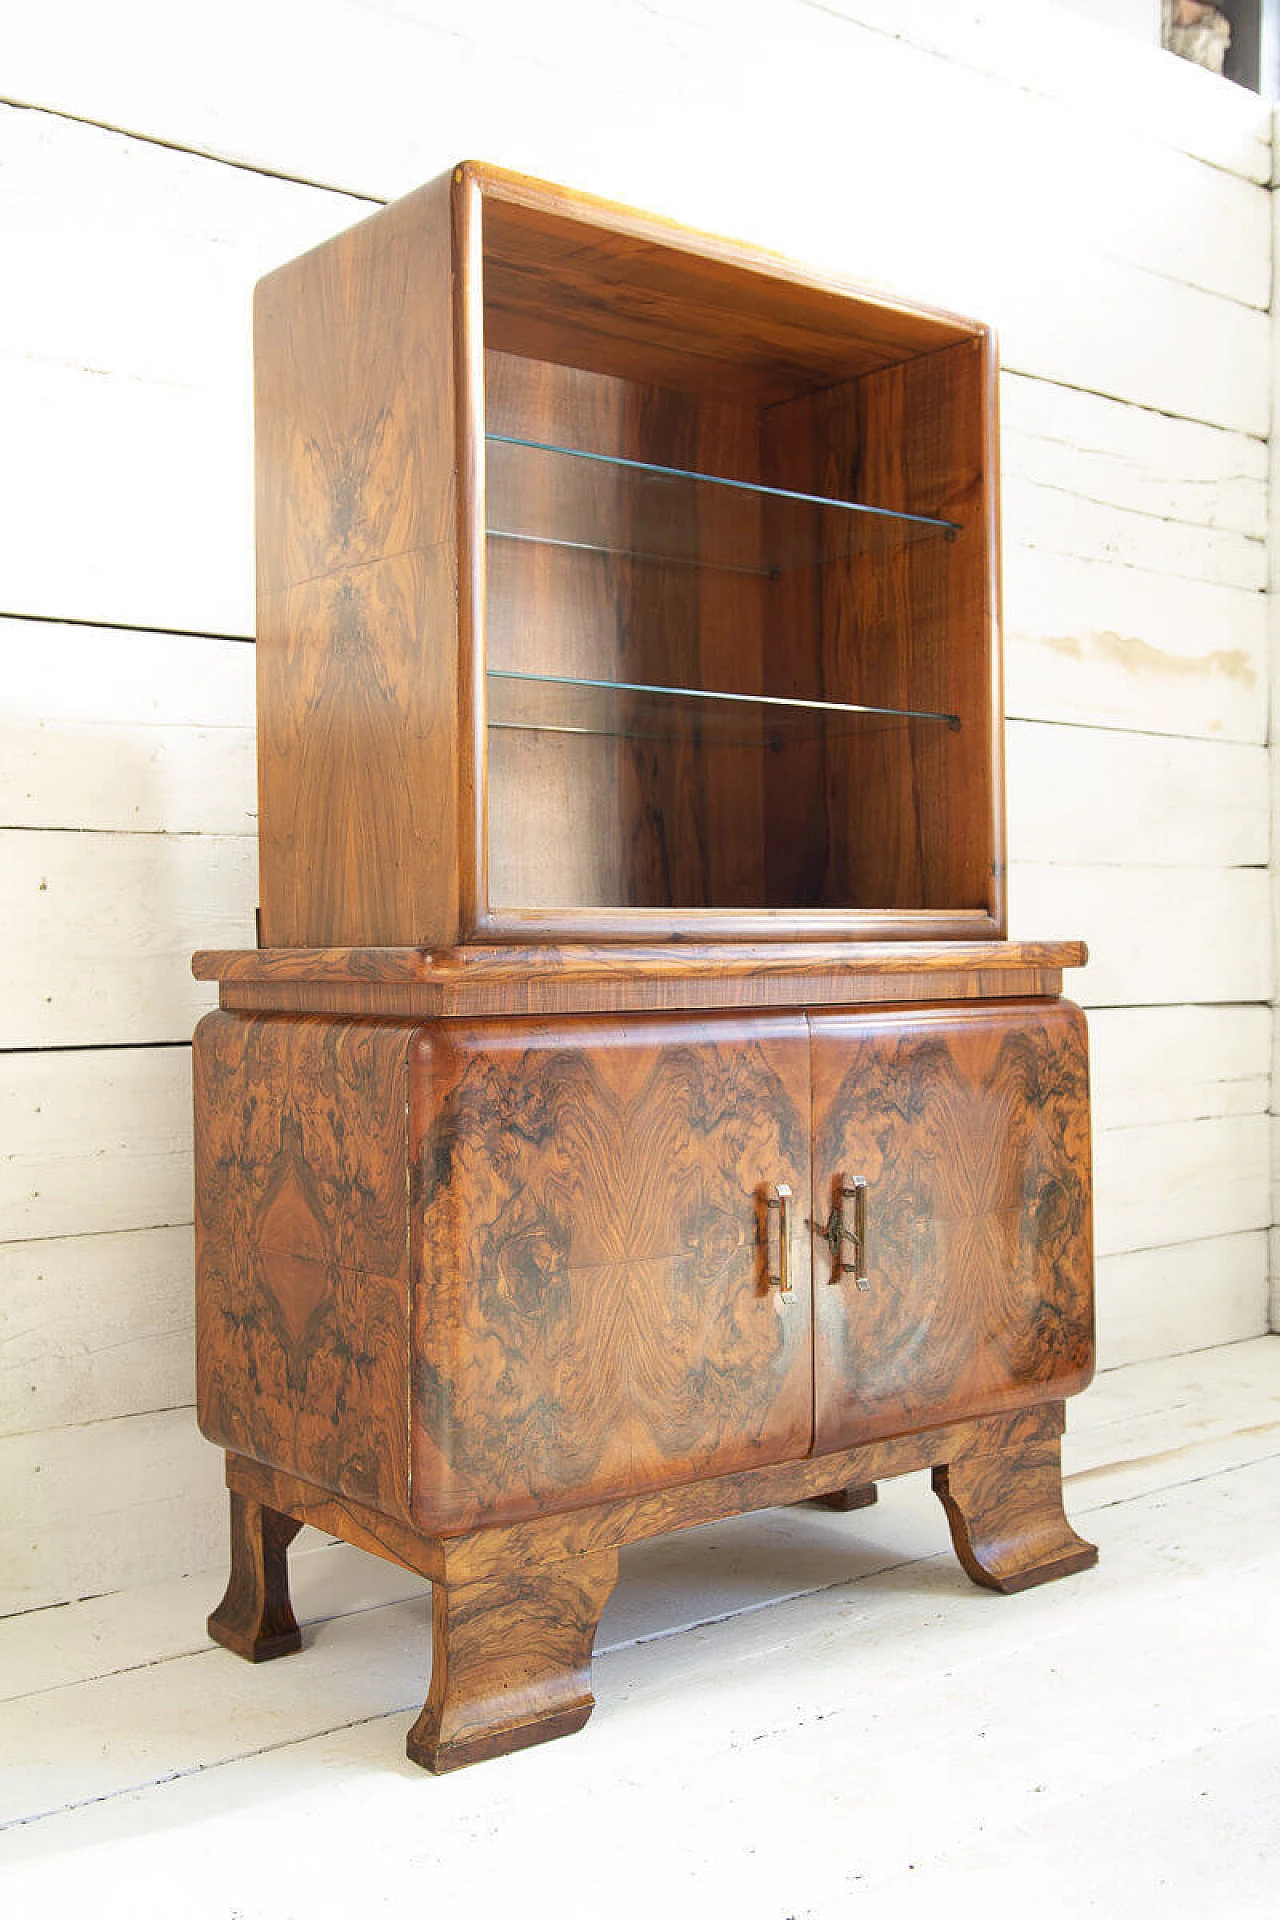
(848, 1223)
(778, 1201)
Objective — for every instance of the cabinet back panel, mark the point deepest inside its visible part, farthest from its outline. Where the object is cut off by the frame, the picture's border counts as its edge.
(908, 812)
(581, 820)
(881, 814)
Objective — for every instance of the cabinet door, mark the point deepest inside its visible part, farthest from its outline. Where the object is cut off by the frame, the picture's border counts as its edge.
(971, 1131)
(593, 1309)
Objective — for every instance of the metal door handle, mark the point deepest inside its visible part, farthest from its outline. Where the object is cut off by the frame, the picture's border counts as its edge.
(847, 1228)
(778, 1201)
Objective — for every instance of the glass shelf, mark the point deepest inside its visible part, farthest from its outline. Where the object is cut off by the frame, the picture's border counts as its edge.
(548, 703)
(598, 503)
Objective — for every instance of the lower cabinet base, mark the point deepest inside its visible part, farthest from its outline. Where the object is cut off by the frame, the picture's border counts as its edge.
(515, 1606)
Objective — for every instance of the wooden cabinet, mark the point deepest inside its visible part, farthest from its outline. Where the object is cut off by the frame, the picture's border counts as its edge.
(635, 1112)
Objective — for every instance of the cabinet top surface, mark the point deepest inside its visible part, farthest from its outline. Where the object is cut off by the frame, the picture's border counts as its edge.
(675, 960)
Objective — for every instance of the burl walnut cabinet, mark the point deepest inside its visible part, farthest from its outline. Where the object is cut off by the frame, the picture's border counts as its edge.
(634, 1112)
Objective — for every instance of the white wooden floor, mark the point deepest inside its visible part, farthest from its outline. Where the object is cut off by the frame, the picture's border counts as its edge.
(798, 1713)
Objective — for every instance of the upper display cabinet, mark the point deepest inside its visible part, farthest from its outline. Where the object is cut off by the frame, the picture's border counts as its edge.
(618, 583)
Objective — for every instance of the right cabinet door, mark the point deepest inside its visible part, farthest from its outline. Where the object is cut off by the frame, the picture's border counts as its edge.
(958, 1279)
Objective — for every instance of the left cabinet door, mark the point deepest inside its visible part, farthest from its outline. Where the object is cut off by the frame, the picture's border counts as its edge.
(593, 1308)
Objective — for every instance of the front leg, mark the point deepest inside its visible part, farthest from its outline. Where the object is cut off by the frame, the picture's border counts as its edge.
(1007, 1522)
(255, 1617)
(511, 1659)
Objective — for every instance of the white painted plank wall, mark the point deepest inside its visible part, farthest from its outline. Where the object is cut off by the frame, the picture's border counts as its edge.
(1100, 212)
(1273, 640)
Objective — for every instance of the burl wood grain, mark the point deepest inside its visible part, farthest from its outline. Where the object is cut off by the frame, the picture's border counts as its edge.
(592, 1311)
(1007, 1523)
(515, 1607)
(971, 1128)
(302, 1247)
(358, 713)
(511, 1660)
(255, 1617)
(486, 1552)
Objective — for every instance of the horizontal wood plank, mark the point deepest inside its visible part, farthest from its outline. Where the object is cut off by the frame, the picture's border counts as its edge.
(113, 1504)
(1094, 796)
(1132, 457)
(1156, 935)
(1038, 93)
(104, 927)
(124, 372)
(94, 1141)
(95, 1327)
(65, 60)
(1100, 644)
(158, 480)
(1178, 1299)
(126, 732)
(1053, 517)
(1102, 74)
(103, 676)
(1155, 1064)
(1183, 1180)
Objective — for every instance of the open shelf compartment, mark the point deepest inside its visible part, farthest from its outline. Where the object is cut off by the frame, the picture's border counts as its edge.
(641, 587)
(738, 602)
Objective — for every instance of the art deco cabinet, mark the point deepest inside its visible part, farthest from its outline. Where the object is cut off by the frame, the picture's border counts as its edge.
(634, 1112)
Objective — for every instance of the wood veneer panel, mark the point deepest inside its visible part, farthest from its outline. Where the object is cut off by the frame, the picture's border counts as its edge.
(359, 754)
(360, 747)
(467, 981)
(302, 1248)
(737, 959)
(575, 279)
(354, 395)
(971, 1129)
(511, 1660)
(602, 821)
(1007, 1521)
(460, 1555)
(904, 815)
(541, 994)
(592, 1313)
(948, 455)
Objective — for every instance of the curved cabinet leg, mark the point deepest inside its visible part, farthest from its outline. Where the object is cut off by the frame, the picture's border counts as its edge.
(1007, 1522)
(254, 1617)
(511, 1659)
